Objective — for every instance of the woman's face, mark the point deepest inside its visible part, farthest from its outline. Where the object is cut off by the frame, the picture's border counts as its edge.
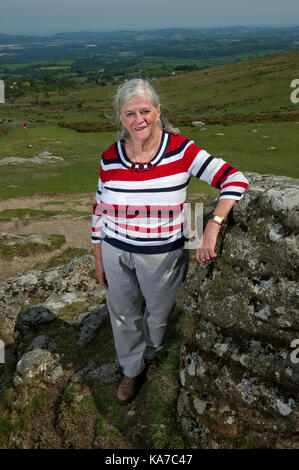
(140, 117)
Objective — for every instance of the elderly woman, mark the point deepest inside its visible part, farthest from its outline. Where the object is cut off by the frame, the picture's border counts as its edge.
(138, 226)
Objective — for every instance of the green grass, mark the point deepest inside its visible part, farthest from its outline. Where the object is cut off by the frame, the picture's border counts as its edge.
(63, 258)
(10, 214)
(78, 173)
(255, 86)
(69, 311)
(16, 416)
(29, 248)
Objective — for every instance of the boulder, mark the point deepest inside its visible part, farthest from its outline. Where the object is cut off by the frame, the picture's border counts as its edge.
(38, 363)
(239, 383)
(75, 280)
(197, 123)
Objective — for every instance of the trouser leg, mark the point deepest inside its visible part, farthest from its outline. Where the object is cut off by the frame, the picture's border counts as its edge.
(124, 301)
(160, 277)
(130, 278)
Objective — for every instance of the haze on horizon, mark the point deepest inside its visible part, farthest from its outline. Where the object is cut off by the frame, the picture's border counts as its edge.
(38, 17)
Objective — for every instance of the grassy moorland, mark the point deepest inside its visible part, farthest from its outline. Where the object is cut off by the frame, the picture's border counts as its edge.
(247, 102)
(247, 109)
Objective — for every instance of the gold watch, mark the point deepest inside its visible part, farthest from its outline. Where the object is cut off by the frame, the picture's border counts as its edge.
(218, 219)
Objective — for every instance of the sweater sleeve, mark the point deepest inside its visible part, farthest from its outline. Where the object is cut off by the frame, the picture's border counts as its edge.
(217, 173)
(97, 215)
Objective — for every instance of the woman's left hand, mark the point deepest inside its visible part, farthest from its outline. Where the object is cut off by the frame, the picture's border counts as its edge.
(206, 249)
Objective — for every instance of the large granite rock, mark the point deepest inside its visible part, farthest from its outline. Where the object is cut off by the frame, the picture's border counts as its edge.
(239, 380)
(53, 289)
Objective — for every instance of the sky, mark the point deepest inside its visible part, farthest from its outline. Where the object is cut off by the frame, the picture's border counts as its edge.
(53, 16)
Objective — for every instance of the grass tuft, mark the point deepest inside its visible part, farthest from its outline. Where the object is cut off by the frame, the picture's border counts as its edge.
(22, 249)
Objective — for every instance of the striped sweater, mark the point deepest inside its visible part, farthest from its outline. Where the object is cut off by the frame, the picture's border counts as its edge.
(140, 207)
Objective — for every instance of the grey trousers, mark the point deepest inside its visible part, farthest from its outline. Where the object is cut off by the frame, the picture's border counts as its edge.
(132, 279)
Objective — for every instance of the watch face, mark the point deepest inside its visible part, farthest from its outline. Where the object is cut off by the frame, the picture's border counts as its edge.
(218, 219)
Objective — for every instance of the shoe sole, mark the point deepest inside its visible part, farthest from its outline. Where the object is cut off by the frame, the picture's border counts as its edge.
(125, 402)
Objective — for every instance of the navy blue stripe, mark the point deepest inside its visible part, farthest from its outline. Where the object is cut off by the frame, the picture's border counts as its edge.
(110, 161)
(157, 214)
(149, 190)
(145, 249)
(204, 166)
(142, 239)
(230, 193)
(178, 150)
(217, 185)
(96, 238)
(99, 192)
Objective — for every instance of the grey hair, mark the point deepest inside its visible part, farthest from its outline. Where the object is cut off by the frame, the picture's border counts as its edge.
(129, 89)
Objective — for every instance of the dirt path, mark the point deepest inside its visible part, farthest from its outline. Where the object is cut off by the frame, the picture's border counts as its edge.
(76, 229)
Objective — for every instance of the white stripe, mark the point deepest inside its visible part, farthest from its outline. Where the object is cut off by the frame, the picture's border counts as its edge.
(162, 198)
(112, 166)
(198, 161)
(231, 196)
(212, 169)
(163, 182)
(237, 177)
(150, 222)
(140, 243)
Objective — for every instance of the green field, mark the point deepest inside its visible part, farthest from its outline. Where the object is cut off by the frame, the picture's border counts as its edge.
(260, 86)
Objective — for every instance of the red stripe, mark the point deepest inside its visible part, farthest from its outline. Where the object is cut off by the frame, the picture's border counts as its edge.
(97, 212)
(110, 153)
(220, 173)
(160, 171)
(242, 185)
(129, 212)
(134, 228)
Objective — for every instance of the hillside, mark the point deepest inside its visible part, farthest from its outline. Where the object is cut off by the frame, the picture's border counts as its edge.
(246, 106)
(255, 85)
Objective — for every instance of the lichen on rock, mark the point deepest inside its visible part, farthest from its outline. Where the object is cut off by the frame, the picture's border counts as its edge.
(244, 317)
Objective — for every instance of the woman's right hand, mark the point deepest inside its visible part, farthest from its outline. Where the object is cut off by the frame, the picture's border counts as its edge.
(100, 272)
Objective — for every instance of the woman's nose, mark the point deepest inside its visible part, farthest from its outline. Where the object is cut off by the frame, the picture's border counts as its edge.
(139, 117)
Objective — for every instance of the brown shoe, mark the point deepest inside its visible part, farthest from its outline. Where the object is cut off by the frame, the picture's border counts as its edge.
(152, 366)
(128, 388)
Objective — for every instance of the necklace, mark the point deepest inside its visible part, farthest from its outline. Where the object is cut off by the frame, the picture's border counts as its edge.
(147, 158)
